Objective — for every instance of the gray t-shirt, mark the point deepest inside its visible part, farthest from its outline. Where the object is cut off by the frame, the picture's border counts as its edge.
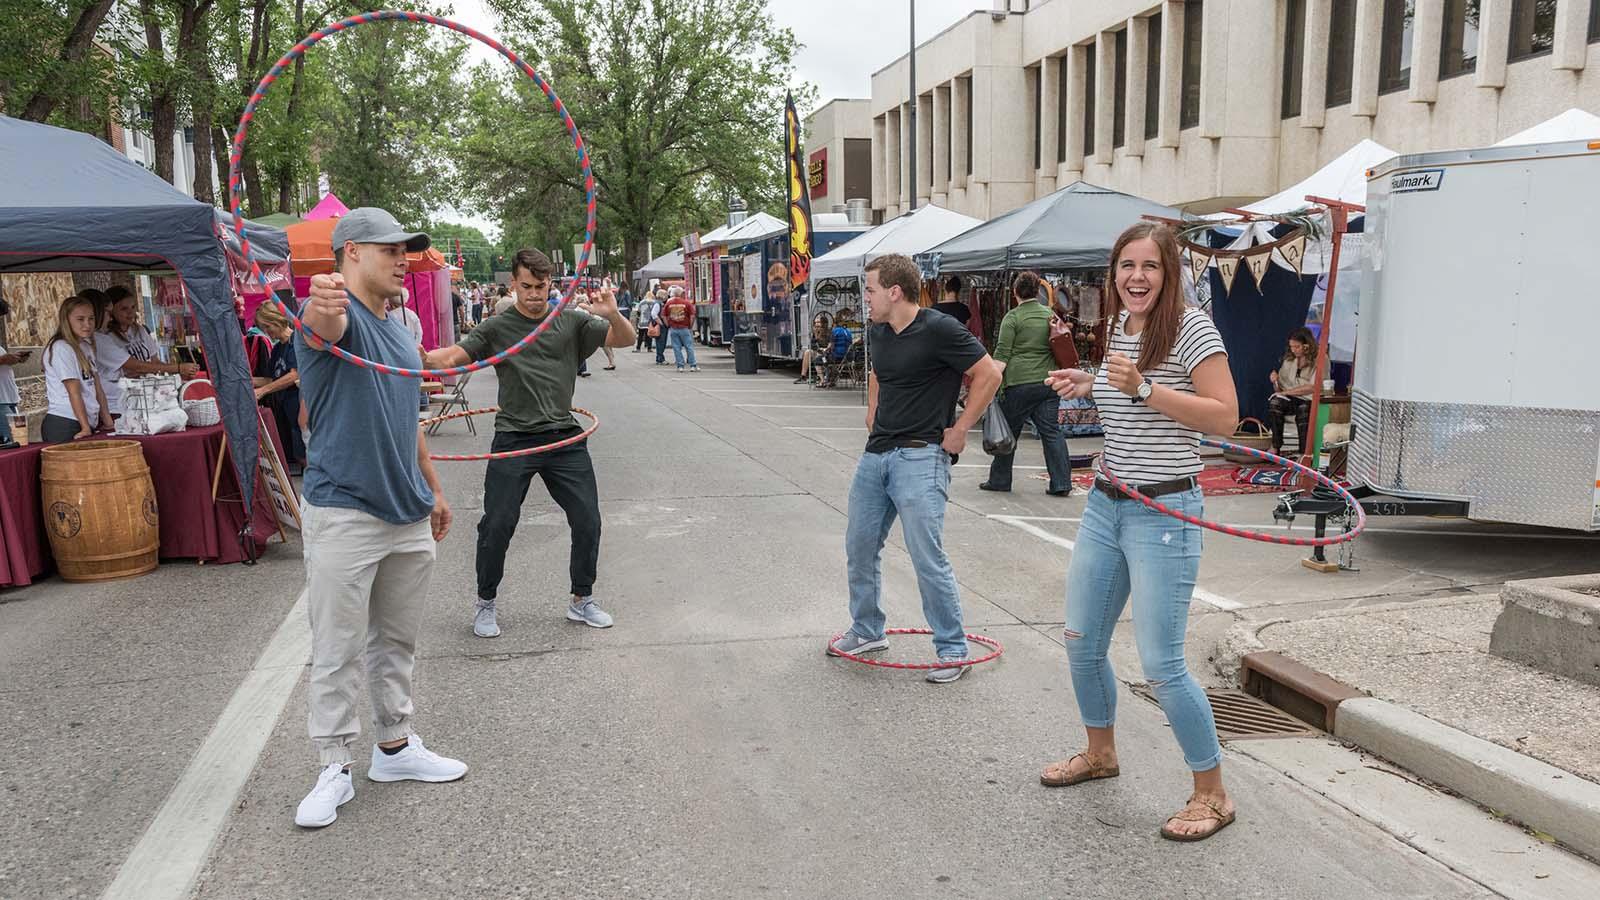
(365, 453)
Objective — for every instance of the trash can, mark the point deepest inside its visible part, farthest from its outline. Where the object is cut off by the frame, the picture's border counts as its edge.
(746, 353)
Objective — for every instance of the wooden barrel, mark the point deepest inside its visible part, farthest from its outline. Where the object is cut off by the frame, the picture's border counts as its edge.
(99, 509)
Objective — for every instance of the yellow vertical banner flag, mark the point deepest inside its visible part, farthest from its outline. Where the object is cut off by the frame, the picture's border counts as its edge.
(800, 234)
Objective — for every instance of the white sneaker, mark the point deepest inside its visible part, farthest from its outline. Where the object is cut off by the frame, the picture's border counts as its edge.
(320, 807)
(414, 763)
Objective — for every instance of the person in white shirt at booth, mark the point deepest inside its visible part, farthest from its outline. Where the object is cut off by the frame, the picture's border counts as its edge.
(126, 349)
(72, 388)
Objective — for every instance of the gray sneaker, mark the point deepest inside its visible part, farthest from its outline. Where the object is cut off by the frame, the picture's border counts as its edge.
(855, 645)
(589, 613)
(483, 623)
(945, 676)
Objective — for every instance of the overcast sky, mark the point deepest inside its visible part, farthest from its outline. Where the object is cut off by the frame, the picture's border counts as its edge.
(845, 41)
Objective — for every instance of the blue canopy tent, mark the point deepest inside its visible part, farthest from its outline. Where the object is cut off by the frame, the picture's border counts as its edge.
(74, 204)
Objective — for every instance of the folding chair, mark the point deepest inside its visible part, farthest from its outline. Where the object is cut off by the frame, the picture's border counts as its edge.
(454, 401)
(853, 368)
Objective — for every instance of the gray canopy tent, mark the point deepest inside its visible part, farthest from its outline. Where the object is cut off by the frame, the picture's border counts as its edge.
(74, 204)
(1072, 228)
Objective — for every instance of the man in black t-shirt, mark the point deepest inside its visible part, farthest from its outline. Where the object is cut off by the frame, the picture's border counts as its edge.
(918, 358)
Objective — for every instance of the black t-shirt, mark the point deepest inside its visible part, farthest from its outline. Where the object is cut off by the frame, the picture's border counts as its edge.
(955, 309)
(919, 378)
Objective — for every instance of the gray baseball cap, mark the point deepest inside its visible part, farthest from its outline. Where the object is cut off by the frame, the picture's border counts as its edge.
(371, 225)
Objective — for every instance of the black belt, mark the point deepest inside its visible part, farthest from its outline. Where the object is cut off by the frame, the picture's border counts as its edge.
(914, 444)
(1158, 489)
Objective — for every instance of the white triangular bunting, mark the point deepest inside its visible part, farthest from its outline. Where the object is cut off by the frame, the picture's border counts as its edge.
(1198, 261)
(1228, 268)
(1257, 263)
(1293, 251)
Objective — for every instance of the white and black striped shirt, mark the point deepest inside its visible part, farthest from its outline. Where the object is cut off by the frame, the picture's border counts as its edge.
(1143, 446)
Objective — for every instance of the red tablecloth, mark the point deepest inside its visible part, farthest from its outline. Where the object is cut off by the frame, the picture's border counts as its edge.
(181, 465)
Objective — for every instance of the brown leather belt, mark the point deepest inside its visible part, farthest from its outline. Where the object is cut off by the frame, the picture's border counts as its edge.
(1158, 489)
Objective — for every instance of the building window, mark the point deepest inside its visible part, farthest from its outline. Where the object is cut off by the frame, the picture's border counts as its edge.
(1594, 21)
(1341, 51)
(1088, 100)
(1038, 117)
(968, 95)
(1533, 27)
(1294, 56)
(1061, 106)
(950, 143)
(1193, 29)
(1152, 78)
(1119, 101)
(1394, 62)
(1458, 54)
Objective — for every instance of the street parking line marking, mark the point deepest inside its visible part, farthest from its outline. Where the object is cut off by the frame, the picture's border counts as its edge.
(854, 408)
(172, 850)
(1369, 530)
(1200, 593)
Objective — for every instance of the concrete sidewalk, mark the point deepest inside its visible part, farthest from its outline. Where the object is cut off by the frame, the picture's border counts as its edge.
(1443, 706)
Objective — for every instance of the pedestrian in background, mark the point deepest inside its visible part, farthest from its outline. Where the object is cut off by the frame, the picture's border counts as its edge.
(679, 316)
(1023, 351)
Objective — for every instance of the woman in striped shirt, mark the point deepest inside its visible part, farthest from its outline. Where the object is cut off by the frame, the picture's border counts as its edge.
(1165, 381)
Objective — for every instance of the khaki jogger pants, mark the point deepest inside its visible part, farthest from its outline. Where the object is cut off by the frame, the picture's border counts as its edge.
(366, 586)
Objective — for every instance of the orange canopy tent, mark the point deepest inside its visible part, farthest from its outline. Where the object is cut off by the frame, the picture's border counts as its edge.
(311, 250)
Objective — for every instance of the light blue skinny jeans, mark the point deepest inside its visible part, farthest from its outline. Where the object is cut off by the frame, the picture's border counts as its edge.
(1126, 550)
(913, 483)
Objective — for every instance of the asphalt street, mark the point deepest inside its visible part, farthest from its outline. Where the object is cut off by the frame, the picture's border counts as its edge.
(154, 737)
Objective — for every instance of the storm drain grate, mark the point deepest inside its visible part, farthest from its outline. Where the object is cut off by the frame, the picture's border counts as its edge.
(1243, 717)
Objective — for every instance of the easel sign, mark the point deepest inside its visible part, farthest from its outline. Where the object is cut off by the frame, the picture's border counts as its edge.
(285, 503)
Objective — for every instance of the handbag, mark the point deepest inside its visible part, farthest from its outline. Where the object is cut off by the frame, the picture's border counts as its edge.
(997, 437)
(654, 330)
(1062, 345)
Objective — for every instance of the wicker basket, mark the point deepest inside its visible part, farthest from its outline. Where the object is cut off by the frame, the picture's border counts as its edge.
(1257, 438)
(202, 412)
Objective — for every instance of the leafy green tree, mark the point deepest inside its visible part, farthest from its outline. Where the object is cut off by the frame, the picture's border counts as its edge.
(386, 130)
(680, 105)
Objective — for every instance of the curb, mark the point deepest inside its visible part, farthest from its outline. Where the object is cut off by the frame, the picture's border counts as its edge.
(1537, 794)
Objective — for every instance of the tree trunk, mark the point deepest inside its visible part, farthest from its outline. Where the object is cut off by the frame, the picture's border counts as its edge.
(286, 174)
(163, 107)
(79, 40)
(193, 38)
(636, 251)
(221, 144)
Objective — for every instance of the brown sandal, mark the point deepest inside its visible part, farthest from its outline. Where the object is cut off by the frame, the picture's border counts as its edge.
(1055, 774)
(1198, 809)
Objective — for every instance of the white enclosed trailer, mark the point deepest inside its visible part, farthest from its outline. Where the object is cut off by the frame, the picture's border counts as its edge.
(1477, 372)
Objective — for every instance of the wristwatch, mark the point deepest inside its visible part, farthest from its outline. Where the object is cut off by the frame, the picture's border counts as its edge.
(1143, 393)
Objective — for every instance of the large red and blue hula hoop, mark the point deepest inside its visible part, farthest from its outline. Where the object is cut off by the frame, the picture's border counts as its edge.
(1264, 456)
(995, 649)
(507, 454)
(234, 186)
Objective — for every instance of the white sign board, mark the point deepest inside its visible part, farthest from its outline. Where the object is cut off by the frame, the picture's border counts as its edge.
(754, 283)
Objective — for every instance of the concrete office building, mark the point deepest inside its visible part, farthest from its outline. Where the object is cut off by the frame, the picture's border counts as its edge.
(1209, 103)
(838, 139)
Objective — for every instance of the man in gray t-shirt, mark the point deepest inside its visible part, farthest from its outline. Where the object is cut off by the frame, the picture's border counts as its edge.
(373, 512)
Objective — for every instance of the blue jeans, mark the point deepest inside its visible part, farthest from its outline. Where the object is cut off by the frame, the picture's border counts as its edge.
(682, 343)
(1039, 402)
(6, 411)
(913, 483)
(1127, 550)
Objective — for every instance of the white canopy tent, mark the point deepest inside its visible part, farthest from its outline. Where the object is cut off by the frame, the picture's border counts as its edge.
(1345, 178)
(1572, 125)
(922, 229)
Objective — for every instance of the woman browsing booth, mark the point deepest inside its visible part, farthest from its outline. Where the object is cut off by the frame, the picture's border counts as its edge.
(76, 402)
(1164, 382)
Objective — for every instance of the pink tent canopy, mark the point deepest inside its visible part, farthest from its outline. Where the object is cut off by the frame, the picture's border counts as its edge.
(328, 207)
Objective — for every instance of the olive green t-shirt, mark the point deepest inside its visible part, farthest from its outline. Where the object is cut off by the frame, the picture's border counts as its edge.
(536, 384)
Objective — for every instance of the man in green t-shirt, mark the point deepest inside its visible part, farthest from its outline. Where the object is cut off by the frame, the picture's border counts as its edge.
(535, 409)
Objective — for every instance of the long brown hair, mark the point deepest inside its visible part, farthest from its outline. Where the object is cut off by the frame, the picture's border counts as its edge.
(64, 330)
(1161, 325)
(1306, 339)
